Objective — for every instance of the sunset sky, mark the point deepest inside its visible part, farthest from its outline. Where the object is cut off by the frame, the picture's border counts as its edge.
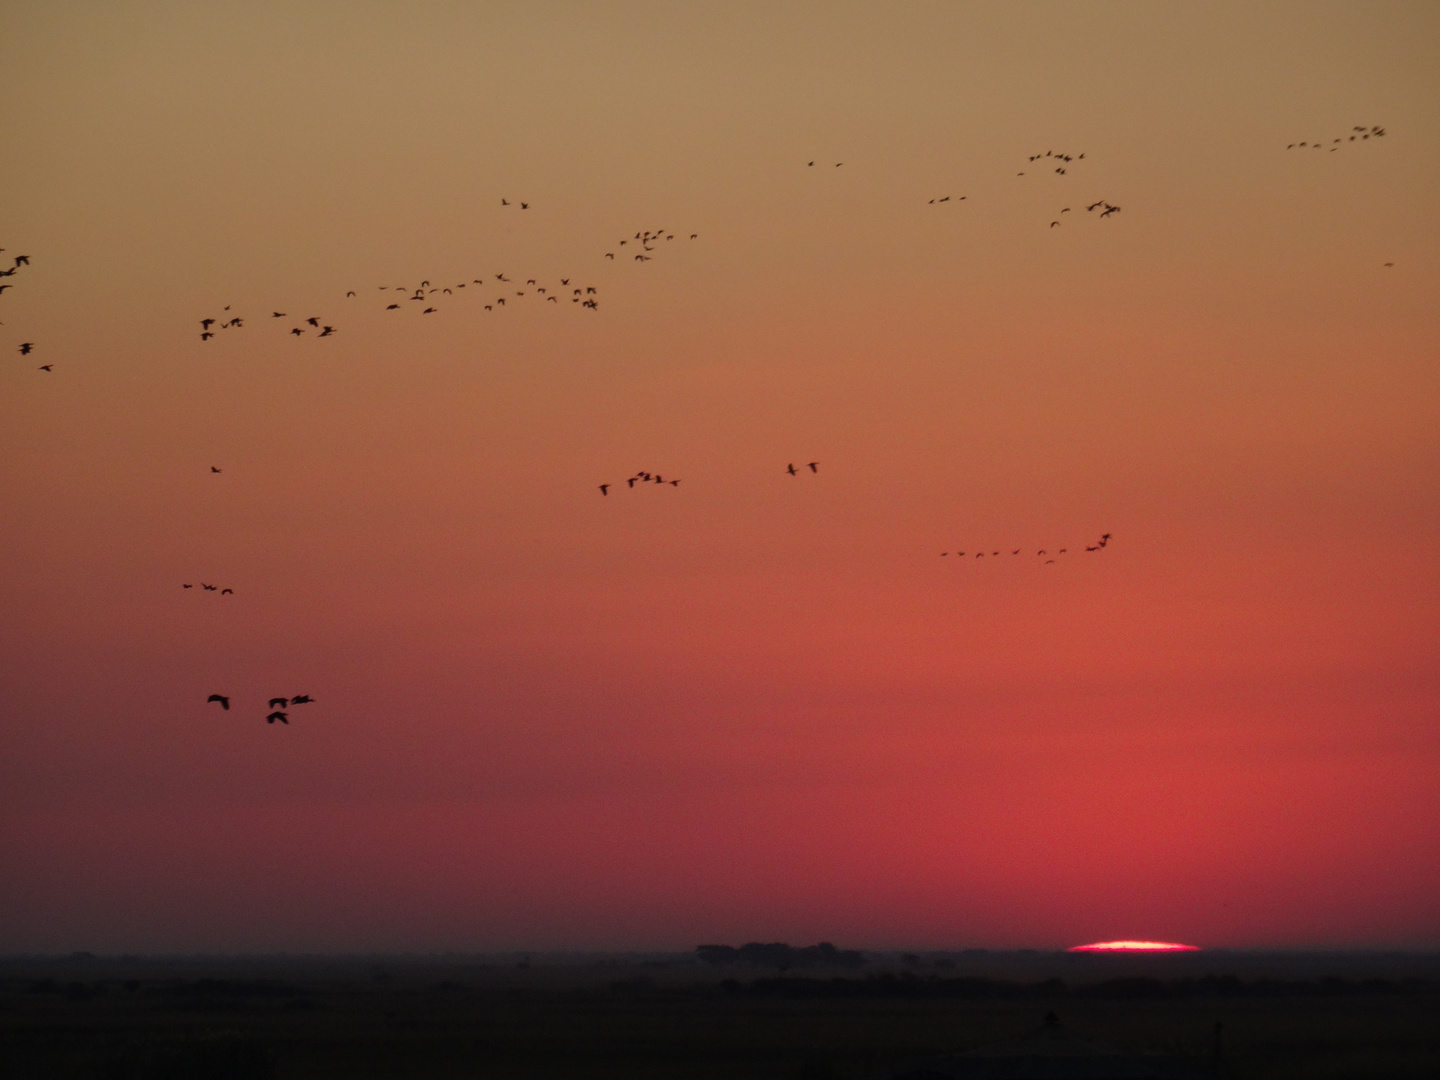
(753, 706)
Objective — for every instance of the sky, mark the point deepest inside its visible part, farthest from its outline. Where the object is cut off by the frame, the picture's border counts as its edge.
(753, 705)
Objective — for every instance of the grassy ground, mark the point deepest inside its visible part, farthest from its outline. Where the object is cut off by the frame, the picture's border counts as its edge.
(153, 1020)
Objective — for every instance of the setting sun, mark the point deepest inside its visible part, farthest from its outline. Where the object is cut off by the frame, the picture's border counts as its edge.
(1135, 946)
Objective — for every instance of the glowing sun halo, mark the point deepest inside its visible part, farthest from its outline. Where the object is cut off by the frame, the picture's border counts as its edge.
(1135, 946)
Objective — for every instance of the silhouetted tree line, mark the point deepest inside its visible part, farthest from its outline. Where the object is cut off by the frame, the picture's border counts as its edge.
(908, 985)
(780, 955)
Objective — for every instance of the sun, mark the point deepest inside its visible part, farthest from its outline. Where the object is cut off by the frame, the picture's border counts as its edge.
(1134, 946)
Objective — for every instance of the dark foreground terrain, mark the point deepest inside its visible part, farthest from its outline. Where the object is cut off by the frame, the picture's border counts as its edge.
(677, 1016)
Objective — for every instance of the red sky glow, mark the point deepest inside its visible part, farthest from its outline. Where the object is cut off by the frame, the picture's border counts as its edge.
(1110, 606)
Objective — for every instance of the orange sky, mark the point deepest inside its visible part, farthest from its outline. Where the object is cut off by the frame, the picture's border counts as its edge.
(753, 706)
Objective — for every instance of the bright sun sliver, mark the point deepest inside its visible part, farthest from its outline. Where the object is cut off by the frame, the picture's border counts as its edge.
(1134, 946)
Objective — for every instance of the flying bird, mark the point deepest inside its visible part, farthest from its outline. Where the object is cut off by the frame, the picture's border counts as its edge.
(214, 469)
(314, 320)
(349, 294)
(47, 367)
(227, 592)
(604, 489)
(221, 698)
(813, 466)
(301, 699)
(277, 715)
(790, 469)
(26, 347)
(279, 702)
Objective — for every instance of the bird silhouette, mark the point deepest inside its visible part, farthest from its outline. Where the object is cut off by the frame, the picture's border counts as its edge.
(604, 489)
(813, 466)
(277, 715)
(279, 702)
(205, 324)
(183, 586)
(227, 592)
(26, 348)
(314, 320)
(349, 294)
(221, 698)
(301, 699)
(297, 331)
(213, 469)
(393, 307)
(47, 367)
(790, 469)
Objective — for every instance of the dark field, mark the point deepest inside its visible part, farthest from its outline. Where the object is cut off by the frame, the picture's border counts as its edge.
(674, 1017)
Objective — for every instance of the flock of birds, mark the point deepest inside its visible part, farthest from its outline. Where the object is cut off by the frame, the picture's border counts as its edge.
(26, 347)
(1358, 133)
(500, 290)
(431, 296)
(1099, 545)
(277, 706)
(648, 241)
